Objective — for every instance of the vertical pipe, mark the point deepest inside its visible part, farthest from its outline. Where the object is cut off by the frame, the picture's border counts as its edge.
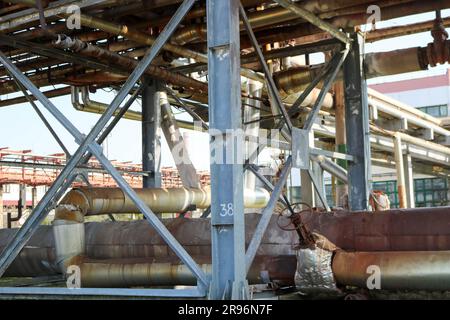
(251, 130)
(307, 190)
(2, 218)
(174, 139)
(33, 197)
(151, 134)
(228, 279)
(409, 179)
(398, 152)
(341, 146)
(357, 129)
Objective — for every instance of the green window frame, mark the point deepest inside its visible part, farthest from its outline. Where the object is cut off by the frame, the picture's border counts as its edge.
(431, 192)
(435, 111)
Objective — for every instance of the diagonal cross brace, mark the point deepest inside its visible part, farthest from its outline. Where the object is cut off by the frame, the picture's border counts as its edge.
(51, 197)
(335, 66)
(271, 83)
(266, 215)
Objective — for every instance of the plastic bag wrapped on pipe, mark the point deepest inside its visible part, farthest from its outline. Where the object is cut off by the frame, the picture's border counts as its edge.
(314, 273)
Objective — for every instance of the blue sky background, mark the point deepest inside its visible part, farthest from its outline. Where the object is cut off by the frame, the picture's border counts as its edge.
(20, 127)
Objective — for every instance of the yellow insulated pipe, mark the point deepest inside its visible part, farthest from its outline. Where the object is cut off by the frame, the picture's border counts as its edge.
(96, 201)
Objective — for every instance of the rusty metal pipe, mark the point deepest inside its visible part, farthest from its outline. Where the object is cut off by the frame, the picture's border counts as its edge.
(129, 273)
(90, 50)
(419, 270)
(137, 241)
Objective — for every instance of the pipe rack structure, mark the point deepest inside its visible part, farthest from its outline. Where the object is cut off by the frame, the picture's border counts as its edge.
(236, 68)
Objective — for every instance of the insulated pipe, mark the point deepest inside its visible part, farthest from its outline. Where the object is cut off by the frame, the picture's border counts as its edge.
(331, 167)
(401, 188)
(128, 273)
(252, 113)
(136, 242)
(392, 104)
(429, 145)
(95, 201)
(99, 108)
(416, 270)
(376, 64)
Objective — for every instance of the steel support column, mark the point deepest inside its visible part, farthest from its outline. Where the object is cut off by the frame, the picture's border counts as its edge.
(357, 129)
(227, 209)
(151, 134)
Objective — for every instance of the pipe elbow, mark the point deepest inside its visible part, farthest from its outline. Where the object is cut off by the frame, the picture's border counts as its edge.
(73, 207)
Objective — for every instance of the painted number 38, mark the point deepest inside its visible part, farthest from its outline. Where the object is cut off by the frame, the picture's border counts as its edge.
(227, 210)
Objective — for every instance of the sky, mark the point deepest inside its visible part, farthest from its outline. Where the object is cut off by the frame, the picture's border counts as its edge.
(20, 127)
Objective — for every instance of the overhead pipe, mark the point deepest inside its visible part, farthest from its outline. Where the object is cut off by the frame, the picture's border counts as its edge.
(376, 65)
(331, 167)
(429, 145)
(96, 107)
(83, 48)
(400, 106)
(82, 202)
(146, 39)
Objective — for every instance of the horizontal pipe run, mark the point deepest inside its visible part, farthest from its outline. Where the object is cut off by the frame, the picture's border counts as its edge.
(96, 201)
(134, 241)
(415, 270)
(129, 273)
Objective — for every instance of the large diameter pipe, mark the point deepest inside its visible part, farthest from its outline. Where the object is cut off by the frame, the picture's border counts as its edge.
(416, 270)
(376, 65)
(95, 201)
(132, 241)
(131, 273)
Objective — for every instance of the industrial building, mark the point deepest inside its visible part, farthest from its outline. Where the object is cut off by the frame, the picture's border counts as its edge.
(321, 183)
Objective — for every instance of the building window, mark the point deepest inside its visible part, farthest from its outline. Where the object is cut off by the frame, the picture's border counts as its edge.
(6, 188)
(436, 111)
(431, 192)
